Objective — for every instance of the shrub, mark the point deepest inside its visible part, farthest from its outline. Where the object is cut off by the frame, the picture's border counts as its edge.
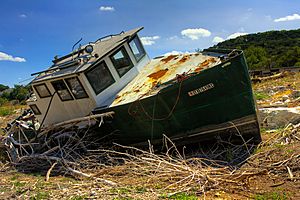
(3, 101)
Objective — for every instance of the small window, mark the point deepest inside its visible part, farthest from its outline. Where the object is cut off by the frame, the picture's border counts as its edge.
(42, 90)
(137, 48)
(35, 109)
(100, 77)
(121, 61)
(76, 88)
(62, 90)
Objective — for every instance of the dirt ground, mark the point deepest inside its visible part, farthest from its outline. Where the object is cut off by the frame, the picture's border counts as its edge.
(271, 172)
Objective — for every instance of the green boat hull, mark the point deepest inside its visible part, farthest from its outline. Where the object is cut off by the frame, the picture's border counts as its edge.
(216, 102)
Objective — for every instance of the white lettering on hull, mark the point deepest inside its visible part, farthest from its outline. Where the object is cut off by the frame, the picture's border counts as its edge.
(201, 89)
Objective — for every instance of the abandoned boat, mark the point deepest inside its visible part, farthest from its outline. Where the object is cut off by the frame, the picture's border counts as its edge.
(194, 95)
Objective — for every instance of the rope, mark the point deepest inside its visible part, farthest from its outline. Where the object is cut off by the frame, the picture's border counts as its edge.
(180, 79)
(47, 110)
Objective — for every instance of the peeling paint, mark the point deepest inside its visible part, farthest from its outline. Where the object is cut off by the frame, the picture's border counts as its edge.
(154, 76)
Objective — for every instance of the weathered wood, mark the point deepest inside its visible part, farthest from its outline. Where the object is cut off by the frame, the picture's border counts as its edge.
(107, 114)
(49, 171)
(111, 183)
(272, 77)
(81, 119)
(50, 151)
(290, 172)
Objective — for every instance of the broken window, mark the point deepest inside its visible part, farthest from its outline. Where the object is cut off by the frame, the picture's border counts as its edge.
(100, 77)
(137, 48)
(42, 90)
(35, 109)
(121, 61)
(76, 88)
(62, 90)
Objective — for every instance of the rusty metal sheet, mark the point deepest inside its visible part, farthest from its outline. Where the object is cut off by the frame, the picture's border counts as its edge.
(168, 69)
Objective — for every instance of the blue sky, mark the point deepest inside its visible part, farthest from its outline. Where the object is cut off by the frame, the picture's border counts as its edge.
(32, 32)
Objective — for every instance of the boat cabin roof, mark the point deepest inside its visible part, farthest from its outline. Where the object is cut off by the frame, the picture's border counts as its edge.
(80, 60)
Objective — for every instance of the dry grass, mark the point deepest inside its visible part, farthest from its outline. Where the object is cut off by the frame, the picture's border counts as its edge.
(9, 112)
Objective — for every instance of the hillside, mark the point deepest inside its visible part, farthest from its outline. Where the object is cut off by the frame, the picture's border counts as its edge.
(268, 49)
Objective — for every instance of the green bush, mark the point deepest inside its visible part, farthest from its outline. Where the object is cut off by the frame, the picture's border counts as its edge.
(18, 92)
(3, 87)
(3, 101)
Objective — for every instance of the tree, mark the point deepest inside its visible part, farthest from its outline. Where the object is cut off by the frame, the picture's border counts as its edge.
(257, 57)
(19, 92)
(3, 87)
(279, 48)
(5, 95)
(290, 58)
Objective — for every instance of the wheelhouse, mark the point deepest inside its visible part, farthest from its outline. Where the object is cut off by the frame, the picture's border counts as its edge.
(88, 77)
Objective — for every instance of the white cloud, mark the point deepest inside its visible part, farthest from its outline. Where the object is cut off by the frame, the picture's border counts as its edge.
(174, 52)
(107, 8)
(195, 33)
(217, 39)
(23, 15)
(173, 37)
(235, 35)
(150, 40)
(4, 56)
(288, 18)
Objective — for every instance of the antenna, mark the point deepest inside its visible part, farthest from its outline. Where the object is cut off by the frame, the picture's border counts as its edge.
(74, 46)
(27, 79)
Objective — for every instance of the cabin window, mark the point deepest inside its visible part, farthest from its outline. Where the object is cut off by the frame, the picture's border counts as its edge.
(42, 90)
(62, 90)
(100, 77)
(76, 88)
(121, 61)
(35, 109)
(137, 48)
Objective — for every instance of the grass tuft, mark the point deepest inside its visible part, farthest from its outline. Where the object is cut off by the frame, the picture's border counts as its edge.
(180, 196)
(261, 95)
(6, 110)
(271, 196)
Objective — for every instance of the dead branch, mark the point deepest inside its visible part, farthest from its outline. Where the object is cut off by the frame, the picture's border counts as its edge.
(49, 171)
(81, 119)
(290, 172)
(79, 173)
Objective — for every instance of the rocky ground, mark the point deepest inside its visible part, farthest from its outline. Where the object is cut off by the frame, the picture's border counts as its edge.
(278, 101)
(270, 171)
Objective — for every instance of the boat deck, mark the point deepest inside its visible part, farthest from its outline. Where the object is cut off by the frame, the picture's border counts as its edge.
(162, 72)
